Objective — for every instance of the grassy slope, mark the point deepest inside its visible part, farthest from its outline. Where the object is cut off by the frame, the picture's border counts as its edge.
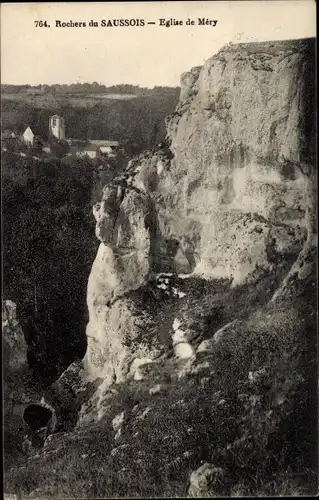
(262, 433)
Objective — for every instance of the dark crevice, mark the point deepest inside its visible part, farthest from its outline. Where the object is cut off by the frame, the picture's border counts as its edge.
(37, 416)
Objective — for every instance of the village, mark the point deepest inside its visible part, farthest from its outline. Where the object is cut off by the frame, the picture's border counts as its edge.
(32, 144)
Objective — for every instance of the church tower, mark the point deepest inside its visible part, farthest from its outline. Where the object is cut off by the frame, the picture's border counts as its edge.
(57, 126)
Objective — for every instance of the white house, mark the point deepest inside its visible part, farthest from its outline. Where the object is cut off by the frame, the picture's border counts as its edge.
(28, 137)
(47, 149)
(107, 148)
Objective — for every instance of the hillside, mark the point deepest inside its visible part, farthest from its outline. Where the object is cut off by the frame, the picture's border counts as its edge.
(135, 119)
(199, 376)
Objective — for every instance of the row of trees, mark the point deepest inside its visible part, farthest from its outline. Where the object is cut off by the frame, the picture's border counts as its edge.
(91, 88)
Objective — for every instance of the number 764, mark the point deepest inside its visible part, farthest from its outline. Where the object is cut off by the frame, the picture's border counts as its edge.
(41, 24)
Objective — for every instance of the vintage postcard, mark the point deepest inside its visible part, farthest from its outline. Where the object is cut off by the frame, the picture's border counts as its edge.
(159, 249)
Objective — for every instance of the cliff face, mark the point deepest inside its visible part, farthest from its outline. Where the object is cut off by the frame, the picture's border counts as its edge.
(24, 402)
(14, 344)
(232, 198)
(243, 140)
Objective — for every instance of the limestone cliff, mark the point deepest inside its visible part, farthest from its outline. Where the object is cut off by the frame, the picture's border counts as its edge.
(231, 197)
(243, 139)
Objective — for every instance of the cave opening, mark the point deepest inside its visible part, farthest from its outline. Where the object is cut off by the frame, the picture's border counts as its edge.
(37, 416)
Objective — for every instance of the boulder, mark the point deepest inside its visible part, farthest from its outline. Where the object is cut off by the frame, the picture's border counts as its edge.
(118, 421)
(182, 348)
(136, 370)
(207, 478)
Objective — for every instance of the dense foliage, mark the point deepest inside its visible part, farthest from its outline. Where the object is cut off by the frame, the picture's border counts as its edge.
(48, 248)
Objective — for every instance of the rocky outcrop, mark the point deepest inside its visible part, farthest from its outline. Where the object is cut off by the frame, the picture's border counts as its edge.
(131, 251)
(230, 198)
(302, 275)
(28, 418)
(16, 370)
(122, 264)
(14, 344)
(243, 139)
(233, 199)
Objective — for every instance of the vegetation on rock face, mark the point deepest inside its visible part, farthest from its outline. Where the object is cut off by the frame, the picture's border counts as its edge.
(246, 405)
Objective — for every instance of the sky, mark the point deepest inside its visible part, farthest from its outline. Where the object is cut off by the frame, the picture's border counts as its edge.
(148, 55)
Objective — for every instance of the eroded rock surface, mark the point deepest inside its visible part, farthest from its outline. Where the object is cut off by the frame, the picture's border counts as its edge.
(243, 143)
(230, 197)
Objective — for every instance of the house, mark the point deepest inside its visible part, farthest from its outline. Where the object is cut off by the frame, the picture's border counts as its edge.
(100, 142)
(90, 151)
(107, 148)
(28, 137)
(8, 134)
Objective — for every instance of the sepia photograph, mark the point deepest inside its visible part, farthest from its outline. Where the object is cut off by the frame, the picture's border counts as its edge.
(159, 249)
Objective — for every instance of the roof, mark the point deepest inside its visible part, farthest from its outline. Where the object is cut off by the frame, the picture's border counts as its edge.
(104, 143)
(83, 149)
(38, 129)
(8, 133)
(27, 130)
(89, 148)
